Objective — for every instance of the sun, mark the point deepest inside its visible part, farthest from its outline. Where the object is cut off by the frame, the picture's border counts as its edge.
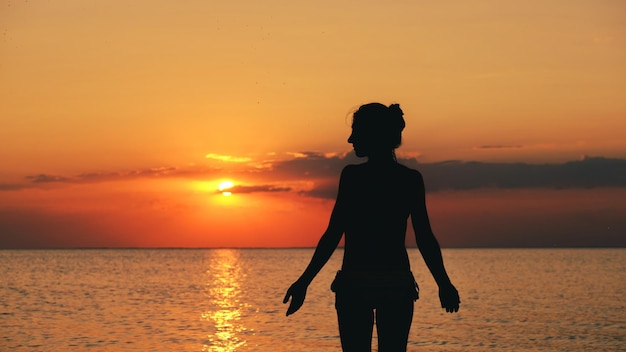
(225, 186)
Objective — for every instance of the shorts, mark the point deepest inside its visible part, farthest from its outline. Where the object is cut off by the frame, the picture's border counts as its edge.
(373, 288)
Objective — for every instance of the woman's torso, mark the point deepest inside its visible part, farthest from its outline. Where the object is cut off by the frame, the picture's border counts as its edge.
(378, 203)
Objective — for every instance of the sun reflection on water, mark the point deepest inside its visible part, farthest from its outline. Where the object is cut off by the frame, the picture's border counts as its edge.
(224, 313)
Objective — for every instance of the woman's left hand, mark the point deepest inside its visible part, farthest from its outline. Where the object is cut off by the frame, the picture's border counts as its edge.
(449, 297)
(297, 292)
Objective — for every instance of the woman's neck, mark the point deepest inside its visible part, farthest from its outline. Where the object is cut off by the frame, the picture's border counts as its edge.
(382, 158)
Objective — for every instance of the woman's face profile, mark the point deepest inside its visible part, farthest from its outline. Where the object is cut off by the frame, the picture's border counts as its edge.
(361, 143)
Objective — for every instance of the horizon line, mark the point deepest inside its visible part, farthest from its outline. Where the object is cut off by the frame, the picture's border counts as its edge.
(291, 248)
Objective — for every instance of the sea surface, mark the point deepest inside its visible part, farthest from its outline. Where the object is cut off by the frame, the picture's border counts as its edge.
(231, 300)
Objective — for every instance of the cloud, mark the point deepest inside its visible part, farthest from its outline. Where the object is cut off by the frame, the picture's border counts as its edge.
(586, 173)
(43, 178)
(257, 188)
(499, 147)
(11, 186)
(326, 190)
(589, 172)
(321, 174)
(514, 147)
(312, 165)
(228, 158)
(155, 172)
(105, 176)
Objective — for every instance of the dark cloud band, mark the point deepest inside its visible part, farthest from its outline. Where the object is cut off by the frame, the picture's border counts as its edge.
(323, 171)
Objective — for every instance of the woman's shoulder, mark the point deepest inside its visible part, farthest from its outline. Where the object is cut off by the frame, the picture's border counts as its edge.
(352, 169)
(409, 172)
(400, 168)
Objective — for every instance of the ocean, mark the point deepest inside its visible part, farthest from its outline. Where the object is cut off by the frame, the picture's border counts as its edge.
(231, 300)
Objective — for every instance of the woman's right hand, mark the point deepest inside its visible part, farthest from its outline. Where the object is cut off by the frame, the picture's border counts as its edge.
(449, 297)
(297, 292)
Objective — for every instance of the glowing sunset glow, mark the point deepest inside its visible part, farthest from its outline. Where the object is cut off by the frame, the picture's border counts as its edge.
(225, 186)
(130, 125)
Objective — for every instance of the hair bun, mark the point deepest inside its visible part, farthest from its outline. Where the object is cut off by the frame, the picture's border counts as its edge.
(397, 114)
(395, 108)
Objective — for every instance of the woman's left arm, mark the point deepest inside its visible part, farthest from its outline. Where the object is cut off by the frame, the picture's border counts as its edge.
(431, 251)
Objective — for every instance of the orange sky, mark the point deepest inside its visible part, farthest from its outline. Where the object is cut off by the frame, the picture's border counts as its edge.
(118, 119)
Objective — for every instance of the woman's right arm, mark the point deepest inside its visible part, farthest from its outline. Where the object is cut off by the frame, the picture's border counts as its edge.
(431, 251)
(324, 250)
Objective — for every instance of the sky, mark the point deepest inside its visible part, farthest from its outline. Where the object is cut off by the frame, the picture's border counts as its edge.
(120, 119)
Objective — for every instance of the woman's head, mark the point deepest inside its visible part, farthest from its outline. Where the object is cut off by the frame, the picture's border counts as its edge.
(376, 128)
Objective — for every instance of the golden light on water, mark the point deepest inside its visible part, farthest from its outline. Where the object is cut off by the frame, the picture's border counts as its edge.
(224, 313)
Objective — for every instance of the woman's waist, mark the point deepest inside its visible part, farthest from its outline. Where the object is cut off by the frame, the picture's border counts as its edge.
(375, 281)
(376, 277)
(365, 271)
(391, 261)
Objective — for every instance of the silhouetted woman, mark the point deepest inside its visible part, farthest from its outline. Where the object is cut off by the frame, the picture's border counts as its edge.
(373, 204)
